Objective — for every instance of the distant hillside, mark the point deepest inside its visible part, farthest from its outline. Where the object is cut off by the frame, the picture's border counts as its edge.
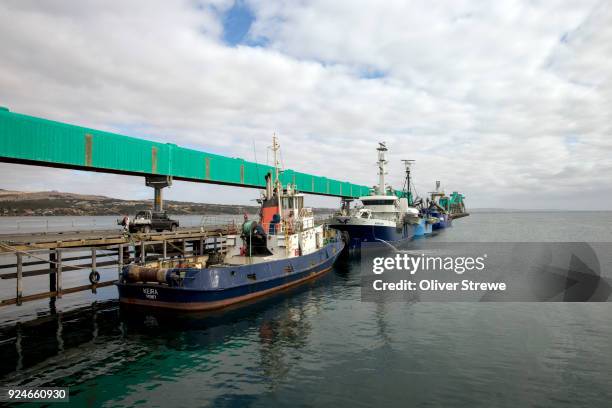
(22, 203)
(19, 203)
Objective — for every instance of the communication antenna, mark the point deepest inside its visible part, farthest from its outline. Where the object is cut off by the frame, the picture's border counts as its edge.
(407, 165)
(275, 148)
(407, 183)
(277, 184)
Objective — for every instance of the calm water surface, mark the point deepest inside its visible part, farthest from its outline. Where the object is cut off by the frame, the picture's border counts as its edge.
(320, 345)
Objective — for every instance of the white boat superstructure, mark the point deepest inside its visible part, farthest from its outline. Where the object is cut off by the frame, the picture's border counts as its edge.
(381, 216)
(286, 228)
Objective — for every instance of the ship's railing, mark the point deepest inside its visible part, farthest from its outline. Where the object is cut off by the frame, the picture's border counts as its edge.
(289, 226)
(225, 222)
(49, 224)
(306, 212)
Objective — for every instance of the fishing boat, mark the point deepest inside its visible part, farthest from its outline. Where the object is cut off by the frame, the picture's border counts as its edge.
(423, 222)
(381, 217)
(445, 208)
(284, 248)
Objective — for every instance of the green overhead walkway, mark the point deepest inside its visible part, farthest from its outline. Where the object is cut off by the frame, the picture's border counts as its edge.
(30, 140)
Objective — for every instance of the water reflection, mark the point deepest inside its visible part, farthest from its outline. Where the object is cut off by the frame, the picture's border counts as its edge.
(276, 324)
(275, 334)
(24, 345)
(35, 349)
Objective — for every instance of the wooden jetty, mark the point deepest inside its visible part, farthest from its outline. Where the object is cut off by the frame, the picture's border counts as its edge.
(98, 249)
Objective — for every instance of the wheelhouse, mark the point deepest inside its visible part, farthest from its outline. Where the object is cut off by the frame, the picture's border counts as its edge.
(380, 203)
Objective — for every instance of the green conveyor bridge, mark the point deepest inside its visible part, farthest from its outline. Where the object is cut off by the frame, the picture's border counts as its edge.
(30, 140)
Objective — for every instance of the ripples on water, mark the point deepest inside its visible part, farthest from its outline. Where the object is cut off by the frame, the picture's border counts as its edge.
(320, 345)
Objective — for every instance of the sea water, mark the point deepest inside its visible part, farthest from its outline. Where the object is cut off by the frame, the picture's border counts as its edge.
(320, 345)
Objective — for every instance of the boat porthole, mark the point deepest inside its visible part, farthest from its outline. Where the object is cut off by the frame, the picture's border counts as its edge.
(233, 273)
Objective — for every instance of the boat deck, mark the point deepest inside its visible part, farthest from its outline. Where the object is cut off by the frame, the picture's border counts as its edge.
(240, 260)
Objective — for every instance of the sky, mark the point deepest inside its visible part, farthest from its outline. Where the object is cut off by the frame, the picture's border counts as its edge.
(509, 102)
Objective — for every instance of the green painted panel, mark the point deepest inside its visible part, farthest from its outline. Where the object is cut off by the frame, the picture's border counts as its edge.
(27, 139)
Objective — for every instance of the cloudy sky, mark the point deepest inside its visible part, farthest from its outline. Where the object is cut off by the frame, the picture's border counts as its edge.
(509, 102)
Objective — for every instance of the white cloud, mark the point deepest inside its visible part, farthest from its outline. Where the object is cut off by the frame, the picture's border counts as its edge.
(507, 101)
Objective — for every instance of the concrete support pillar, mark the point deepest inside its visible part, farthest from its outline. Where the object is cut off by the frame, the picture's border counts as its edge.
(158, 183)
(158, 204)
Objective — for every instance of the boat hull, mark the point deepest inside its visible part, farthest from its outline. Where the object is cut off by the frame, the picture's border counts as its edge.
(358, 234)
(423, 228)
(444, 221)
(274, 278)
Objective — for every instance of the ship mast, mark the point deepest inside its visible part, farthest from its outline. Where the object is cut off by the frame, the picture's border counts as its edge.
(277, 183)
(275, 148)
(382, 148)
(408, 163)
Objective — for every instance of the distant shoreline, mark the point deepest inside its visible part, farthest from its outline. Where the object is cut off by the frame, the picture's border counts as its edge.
(54, 203)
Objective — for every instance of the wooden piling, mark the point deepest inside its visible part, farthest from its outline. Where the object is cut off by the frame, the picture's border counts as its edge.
(93, 269)
(19, 278)
(58, 283)
(93, 259)
(120, 260)
(126, 254)
(143, 254)
(52, 271)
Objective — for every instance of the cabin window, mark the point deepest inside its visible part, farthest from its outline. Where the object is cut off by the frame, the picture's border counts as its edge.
(378, 202)
(288, 202)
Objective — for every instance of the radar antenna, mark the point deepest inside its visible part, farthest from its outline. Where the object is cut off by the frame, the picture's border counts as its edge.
(408, 182)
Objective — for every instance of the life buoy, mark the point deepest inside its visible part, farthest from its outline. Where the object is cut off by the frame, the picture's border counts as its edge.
(94, 277)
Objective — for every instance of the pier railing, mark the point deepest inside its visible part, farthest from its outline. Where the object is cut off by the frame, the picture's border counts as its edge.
(95, 256)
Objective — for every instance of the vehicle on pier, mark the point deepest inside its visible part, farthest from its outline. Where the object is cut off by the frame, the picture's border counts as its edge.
(282, 249)
(147, 221)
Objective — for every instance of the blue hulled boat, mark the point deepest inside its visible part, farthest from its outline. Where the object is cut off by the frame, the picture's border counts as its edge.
(383, 216)
(215, 287)
(283, 249)
(444, 208)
